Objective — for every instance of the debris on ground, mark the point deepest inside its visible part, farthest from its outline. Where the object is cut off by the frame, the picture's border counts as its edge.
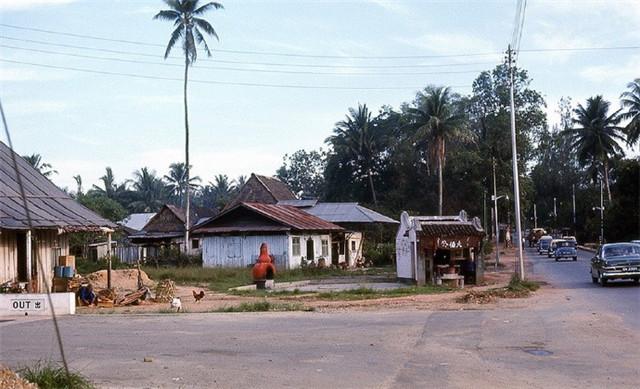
(134, 297)
(165, 291)
(9, 379)
(121, 279)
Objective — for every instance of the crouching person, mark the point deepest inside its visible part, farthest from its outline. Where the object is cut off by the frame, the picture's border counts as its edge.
(86, 295)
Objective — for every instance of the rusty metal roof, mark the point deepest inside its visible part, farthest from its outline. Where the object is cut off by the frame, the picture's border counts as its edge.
(50, 207)
(291, 218)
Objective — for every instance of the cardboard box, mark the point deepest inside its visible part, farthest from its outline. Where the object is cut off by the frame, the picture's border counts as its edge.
(67, 260)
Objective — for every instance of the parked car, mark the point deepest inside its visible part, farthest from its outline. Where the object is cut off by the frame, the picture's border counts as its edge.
(543, 244)
(571, 238)
(534, 235)
(635, 241)
(565, 249)
(616, 261)
(552, 247)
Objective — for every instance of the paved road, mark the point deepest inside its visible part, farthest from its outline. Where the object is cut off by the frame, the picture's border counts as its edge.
(619, 297)
(570, 335)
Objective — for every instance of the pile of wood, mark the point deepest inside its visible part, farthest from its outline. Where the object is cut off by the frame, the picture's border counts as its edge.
(134, 297)
(106, 298)
(165, 291)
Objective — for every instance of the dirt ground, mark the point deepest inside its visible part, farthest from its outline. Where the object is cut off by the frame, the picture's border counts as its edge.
(215, 300)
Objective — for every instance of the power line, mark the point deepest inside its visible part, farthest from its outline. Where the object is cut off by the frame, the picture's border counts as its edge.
(234, 69)
(215, 82)
(246, 62)
(248, 52)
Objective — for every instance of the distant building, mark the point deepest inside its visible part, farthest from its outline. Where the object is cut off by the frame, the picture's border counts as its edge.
(54, 217)
(135, 222)
(233, 238)
(262, 189)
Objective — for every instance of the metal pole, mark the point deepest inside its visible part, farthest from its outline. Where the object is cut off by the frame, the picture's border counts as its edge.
(495, 207)
(535, 216)
(516, 180)
(573, 196)
(601, 215)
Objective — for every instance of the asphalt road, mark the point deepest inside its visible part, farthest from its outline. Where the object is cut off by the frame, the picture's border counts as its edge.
(620, 297)
(569, 335)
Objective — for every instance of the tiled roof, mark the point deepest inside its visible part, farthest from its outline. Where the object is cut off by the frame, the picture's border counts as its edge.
(49, 206)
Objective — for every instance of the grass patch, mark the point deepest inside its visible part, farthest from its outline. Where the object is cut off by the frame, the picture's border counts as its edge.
(368, 293)
(264, 306)
(50, 376)
(221, 279)
(516, 288)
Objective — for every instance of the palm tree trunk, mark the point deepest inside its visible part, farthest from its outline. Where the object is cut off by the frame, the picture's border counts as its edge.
(186, 156)
(373, 191)
(606, 179)
(440, 184)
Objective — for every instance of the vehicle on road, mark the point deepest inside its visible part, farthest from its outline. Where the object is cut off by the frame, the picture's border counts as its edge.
(616, 261)
(571, 238)
(534, 235)
(552, 247)
(565, 249)
(543, 244)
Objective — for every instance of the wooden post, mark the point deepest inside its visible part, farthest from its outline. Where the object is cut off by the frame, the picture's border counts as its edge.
(421, 271)
(109, 260)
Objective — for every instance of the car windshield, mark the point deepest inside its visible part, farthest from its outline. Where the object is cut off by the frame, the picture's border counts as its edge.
(622, 250)
(566, 243)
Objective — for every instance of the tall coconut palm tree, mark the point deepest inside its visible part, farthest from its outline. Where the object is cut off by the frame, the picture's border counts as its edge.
(190, 30)
(631, 101)
(177, 181)
(436, 122)
(35, 160)
(356, 137)
(595, 136)
(150, 191)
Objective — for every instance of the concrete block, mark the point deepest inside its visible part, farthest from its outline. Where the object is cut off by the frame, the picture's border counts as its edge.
(36, 304)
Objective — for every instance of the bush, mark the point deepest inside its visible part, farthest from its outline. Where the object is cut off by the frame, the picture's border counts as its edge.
(380, 253)
(86, 266)
(49, 376)
(172, 256)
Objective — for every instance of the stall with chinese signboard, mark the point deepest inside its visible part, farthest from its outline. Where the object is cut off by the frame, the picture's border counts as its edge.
(439, 249)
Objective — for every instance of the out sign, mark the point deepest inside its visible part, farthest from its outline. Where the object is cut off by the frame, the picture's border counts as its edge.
(26, 305)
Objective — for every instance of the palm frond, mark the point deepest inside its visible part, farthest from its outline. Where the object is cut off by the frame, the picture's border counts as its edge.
(175, 35)
(169, 15)
(208, 28)
(174, 4)
(207, 7)
(200, 39)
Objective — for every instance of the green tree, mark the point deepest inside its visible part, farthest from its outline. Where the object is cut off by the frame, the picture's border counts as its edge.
(596, 135)
(190, 30)
(303, 172)
(437, 122)
(45, 168)
(104, 206)
(356, 138)
(630, 100)
(150, 191)
(177, 182)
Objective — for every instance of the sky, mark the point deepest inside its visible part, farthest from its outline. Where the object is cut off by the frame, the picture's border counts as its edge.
(282, 74)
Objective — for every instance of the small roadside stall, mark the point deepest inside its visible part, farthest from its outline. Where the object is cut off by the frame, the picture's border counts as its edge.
(439, 250)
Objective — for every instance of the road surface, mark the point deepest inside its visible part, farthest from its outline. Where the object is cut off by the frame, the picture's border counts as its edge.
(569, 335)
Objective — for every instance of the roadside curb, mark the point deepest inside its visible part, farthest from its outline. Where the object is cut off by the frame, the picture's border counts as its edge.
(584, 248)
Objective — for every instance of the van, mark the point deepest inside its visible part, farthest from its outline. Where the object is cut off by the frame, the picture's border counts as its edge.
(544, 243)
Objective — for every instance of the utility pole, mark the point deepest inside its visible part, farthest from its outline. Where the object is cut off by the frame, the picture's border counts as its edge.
(601, 215)
(535, 216)
(555, 214)
(573, 196)
(495, 210)
(516, 178)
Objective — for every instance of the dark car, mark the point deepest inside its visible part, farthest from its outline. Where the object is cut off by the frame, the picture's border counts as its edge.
(565, 249)
(616, 261)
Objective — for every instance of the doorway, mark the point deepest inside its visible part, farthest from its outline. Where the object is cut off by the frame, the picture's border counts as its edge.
(310, 250)
(21, 243)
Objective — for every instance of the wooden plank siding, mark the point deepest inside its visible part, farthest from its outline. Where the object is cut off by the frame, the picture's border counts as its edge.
(243, 250)
(47, 246)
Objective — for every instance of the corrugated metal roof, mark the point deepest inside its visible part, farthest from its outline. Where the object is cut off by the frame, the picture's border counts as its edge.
(290, 218)
(347, 213)
(50, 207)
(136, 221)
(299, 203)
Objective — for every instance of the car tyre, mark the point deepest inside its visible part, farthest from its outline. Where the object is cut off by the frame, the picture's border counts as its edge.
(593, 279)
(636, 281)
(602, 280)
(557, 260)
(575, 258)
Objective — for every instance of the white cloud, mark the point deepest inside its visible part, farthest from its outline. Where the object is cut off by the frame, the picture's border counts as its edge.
(395, 6)
(14, 5)
(614, 73)
(31, 107)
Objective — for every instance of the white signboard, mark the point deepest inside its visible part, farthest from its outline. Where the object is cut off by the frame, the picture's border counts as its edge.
(26, 305)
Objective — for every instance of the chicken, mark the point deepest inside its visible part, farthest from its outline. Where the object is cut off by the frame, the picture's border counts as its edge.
(198, 296)
(176, 304)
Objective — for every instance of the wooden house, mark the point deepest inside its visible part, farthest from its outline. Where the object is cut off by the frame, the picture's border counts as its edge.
(262, 189)
(233, 238)
(167, 229)
(38, 233)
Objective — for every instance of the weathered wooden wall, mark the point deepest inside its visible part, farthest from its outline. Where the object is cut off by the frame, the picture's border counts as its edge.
(8, 256)
(242, 250)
